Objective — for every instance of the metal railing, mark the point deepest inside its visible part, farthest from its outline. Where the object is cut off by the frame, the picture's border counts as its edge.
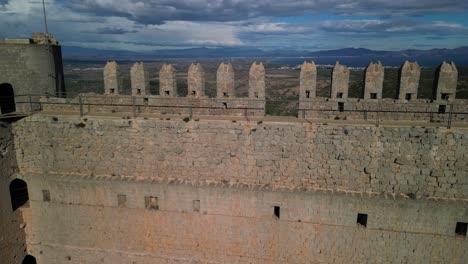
(368, 111)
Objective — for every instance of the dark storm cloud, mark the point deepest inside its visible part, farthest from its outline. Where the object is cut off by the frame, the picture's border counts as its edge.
(158, 11)
(394, 27)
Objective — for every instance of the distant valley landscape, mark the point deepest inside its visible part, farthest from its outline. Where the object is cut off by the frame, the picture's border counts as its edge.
(354, 57)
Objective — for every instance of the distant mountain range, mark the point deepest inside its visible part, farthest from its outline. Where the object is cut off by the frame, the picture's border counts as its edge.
(349, 56)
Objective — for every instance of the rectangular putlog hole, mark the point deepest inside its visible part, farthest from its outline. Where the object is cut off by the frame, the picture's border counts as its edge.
(276, 211)
(442, 109)
(362, 219)
(122, 200)
(373, 96)
(46, 195)
(196, 206)
(151, 203)
(341, 107)
(461, 229)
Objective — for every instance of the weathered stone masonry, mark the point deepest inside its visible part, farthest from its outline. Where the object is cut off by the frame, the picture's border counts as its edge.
(12, 235)
(410, 181)
(428, 162)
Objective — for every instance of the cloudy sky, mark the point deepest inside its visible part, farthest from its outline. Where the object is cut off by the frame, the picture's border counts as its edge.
(144, 25)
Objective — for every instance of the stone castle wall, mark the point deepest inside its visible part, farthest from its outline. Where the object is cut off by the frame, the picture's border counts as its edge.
(421, 110)
(103, 220)
(425, 162)
(12, 235)
(99, 172)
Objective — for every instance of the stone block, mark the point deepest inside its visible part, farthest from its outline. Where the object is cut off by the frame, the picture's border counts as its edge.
(257, 81)
(446, 81)
(139, 80)
(340, 82)
(167, 81)
(225, 81)
(374, 81)
(308, 81)
(196, 81)
(112, 78)
(409, 81)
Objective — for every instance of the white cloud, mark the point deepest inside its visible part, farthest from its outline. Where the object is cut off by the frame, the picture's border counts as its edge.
(150, 24)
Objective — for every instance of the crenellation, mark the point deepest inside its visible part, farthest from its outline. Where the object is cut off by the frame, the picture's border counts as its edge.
(257, 81)
(446, 82)
(308, 81)
(225, 81)
(373, 84)
(112, 79)
(340, 81)
(139, 78)
(196, 81)
(167, 81)
(409, 81)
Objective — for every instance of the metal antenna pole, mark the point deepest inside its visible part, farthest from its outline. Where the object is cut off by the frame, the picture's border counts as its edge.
(51, 72)
(45, 17)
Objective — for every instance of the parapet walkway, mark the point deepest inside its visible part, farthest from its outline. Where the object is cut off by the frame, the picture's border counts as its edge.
(278, 119)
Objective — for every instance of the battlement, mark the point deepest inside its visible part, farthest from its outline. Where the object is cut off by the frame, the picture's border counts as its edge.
(443, 108)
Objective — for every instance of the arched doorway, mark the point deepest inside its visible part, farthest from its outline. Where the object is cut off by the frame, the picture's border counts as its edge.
(7, 98)
(18, 193)
(29, 260)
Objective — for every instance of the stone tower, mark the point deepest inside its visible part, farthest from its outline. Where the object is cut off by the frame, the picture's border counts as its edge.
(225, 81)
(139, 79)
(112, 78)
(308, 81)
(446, 81)
(257, 81)
(30, 66)
(340, 82)
(196, 81)
(167, 81)
(374, 81)
(409, 81)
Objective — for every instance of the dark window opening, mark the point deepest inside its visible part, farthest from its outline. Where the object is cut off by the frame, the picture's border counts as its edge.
(151, 203)
(29, 260)
(225, 95)
(445, 96)
(18, 193)
(196, 206)
(46, 195)
(146, 99)
(373, 95)
(112, 91)
(121, 200)
(362, 219)
(408, 96)
(307, 94)
(225, 105)
(167, 93)
(276, 211)
(341, 107)
(339, 95)
(7, 99)
(442, 109)
(461, 228)
(256, 95)
(138, 91)
(194, 93)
